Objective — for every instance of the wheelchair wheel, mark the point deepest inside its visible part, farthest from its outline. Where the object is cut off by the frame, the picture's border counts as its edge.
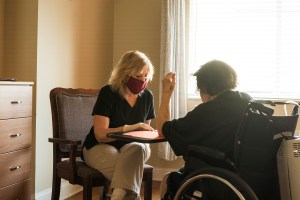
(214, 184)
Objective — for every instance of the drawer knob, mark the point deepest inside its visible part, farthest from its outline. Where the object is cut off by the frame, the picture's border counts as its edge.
(16, 102)
(15, 168)
(15, 135)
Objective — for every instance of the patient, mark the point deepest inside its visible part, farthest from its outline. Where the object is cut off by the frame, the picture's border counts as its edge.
(214, 122)
(124, 104)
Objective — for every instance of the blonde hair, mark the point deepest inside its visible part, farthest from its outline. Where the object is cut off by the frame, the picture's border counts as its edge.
(131, 63)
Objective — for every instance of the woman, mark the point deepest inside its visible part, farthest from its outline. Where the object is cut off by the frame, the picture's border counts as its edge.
(124, 104)
(214, 122)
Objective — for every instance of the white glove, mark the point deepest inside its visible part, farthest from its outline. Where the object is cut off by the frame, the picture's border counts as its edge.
(137, 126)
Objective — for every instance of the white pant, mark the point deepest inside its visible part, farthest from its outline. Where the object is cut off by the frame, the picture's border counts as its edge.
(123, 167)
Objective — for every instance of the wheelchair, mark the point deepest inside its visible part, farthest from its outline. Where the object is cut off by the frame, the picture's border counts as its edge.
(252, 173)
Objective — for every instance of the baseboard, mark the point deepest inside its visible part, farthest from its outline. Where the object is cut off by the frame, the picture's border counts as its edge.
(67, 190)
(158, 173)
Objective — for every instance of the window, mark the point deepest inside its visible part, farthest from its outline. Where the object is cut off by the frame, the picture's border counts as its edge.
(259, 38)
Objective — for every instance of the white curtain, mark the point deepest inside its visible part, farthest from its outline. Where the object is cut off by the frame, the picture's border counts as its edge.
(173, 59)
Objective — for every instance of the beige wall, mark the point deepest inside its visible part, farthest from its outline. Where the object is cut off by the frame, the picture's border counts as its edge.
(20, 39)
(137, 26)
(78, 43)
(75, 47)
(74, 43)
(2, 10)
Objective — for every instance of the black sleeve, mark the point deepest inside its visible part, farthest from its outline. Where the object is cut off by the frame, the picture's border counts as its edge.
(211, 124)
(182, 132)
(103, 105)
(151, 113)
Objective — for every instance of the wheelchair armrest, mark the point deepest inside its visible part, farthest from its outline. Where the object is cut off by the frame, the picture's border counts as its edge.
(207, 156)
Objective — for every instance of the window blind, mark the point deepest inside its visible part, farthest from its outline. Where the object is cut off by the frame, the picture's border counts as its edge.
(260, 39)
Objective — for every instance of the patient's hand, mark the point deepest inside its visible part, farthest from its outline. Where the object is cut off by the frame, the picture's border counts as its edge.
(168, 83)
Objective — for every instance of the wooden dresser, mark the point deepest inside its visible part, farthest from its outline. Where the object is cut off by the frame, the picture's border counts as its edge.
(15, 140)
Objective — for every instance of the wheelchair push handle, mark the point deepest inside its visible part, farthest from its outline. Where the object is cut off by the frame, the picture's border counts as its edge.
(260, 105)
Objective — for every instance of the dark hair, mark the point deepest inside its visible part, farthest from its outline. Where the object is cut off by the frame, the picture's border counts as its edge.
(215, 77)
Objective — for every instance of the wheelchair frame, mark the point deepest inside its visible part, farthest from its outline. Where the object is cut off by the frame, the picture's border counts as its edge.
(224, 171)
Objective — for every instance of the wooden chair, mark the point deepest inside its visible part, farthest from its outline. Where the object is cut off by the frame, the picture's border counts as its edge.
(71, 120)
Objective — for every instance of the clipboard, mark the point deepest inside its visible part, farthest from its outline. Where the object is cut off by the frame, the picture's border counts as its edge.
(138, 136)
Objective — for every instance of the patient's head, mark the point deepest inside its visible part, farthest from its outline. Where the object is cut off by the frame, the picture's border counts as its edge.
(214, 78)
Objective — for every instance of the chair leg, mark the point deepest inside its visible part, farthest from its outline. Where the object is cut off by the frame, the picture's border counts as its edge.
(101, 193)
(148, 186)
(87, 189)
(56, 182)
(104, 193)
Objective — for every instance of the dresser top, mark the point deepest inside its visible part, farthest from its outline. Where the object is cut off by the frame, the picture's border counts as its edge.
(15, 83)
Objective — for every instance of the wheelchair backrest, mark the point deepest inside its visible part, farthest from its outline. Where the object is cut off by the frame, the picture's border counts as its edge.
(257, 141)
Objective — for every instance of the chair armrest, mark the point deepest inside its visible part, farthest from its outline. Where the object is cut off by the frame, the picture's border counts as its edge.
(73, 151)
(64, 141)
(72, 155)
(208, 156)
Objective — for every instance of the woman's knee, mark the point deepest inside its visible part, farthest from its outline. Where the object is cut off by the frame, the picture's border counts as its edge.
(138, 149)
(103, 158)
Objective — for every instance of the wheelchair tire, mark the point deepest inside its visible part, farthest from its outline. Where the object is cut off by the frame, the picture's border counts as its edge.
(197, 186)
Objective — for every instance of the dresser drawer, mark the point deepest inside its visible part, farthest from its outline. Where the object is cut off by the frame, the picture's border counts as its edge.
(15, 167)
(15, 101)
(15, 134)
(18, 191)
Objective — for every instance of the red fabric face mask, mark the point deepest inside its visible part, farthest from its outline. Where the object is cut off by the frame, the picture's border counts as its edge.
(136, 85)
